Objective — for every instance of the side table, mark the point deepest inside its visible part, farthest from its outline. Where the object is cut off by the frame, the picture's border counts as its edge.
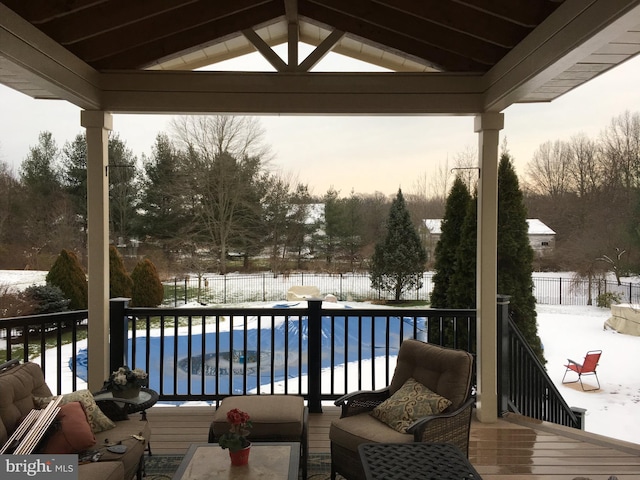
(147, 398)
(415, 460)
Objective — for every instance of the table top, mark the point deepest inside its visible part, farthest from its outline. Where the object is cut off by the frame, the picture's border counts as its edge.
(267, 461)
(415, 460)
(147, 398)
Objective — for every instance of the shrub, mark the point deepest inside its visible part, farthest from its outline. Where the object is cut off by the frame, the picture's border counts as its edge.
(147, 287)
(605, 300)
(46, 299)
(120, 283)
(67, 274)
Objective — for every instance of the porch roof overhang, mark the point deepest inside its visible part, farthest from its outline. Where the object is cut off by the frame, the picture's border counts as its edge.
(447, 57)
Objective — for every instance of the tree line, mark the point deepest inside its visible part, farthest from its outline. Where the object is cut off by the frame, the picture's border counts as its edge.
(208, 194)
(205, 196)
(588, 191)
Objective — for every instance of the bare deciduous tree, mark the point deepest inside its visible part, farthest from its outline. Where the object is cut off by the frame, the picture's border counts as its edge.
(548, 171)
(225, 160)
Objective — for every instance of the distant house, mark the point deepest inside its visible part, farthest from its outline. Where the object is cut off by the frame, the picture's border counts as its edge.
(541, 237)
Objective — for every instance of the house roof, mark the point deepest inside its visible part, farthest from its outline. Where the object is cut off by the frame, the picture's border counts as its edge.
(536, 227)
(446, 56)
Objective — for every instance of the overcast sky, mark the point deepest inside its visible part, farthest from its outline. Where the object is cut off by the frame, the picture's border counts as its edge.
(365, 154)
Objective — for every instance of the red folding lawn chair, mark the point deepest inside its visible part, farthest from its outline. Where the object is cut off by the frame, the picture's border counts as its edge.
(588, 367)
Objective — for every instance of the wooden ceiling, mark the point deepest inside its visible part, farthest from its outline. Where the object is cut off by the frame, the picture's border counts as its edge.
(469, 36)
(90, 51)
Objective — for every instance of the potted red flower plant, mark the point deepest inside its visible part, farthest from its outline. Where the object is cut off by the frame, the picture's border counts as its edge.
(236, 438)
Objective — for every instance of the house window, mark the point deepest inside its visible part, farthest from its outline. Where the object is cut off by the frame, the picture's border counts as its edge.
(545, 244)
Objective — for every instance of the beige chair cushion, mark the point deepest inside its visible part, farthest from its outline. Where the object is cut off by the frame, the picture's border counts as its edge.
(349, 432)
(272, 416)
(411, 402)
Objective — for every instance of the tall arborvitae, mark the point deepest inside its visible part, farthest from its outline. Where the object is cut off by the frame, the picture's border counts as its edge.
(398, 261)
(515, 255)
(447, 247)
(120, 283)
(67, 274)
(147, 287)
(462, 288)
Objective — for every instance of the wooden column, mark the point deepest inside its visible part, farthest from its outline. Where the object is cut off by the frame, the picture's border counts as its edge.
(98, 124)
(488, 126)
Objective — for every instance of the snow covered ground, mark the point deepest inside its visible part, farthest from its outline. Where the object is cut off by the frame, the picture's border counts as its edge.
(566, 332)
(569, 332)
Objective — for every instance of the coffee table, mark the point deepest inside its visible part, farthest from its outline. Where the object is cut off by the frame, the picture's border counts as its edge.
(267, 461)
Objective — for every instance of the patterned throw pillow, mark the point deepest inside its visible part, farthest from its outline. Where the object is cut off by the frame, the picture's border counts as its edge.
(411, 402)
(98, 421)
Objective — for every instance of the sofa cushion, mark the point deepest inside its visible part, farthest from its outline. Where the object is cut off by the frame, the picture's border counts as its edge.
(97, 419)
(101, 471)
(17, 385)
(121, 434)
(71, 432)
(411, 402)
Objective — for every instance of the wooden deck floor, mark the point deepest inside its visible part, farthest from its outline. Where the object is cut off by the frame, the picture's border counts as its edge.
(514, 448)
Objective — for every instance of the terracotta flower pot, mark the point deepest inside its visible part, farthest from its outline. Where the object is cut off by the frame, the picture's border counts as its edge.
(240, 457)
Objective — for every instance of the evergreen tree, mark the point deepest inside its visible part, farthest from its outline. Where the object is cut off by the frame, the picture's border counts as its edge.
(67, 274)
(147, 287)
(45, 299)
(74, 178)
(462, 288)
(398, 261)
(515, 255)
(120, 283)
(122, 189)
(447, 248)
(163, 195)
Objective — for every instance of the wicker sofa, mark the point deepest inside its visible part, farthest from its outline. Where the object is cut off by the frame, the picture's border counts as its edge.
(21, 385)
(447, 372)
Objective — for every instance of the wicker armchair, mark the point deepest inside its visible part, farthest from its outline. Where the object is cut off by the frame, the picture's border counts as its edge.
(445, 371)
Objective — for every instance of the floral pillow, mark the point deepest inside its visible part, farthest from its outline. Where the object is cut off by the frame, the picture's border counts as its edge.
(98, 421)
(412, 401)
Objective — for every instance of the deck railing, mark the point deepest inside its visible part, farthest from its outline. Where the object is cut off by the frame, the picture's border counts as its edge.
(523, 383)
(205, 354)
(321, 353)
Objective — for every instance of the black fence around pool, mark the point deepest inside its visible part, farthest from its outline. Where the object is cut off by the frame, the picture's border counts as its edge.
(268, 287)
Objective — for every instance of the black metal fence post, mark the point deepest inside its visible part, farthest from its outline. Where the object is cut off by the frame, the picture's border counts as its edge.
(315, 355)
(503, 354)
(118, 332)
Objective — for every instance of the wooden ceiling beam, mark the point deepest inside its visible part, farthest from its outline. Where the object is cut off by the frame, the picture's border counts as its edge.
(321, 51)
(461, 18)
(381, 35)
(265, 50)
(530, 14)
(291, 93)
(123, 53)
(39, 11)
(104, 18)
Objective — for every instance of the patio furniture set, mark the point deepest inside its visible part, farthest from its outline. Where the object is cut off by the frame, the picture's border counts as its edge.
(419, 423)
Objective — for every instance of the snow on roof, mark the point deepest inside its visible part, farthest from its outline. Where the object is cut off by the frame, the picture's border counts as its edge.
(536, 227)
